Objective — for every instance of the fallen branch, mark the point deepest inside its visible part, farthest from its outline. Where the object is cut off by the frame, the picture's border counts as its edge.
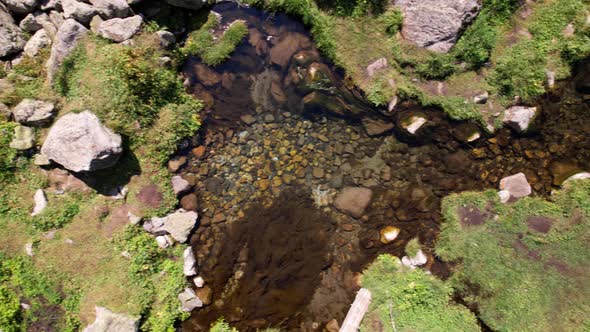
(357, 311)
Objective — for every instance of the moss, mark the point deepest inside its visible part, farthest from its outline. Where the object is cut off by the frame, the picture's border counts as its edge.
(519, 278)
(213, 51)
(411, 300)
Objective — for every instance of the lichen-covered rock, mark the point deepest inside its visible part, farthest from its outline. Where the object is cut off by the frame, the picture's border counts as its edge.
(108, 321)
(111, 8)
(12, 38)
(80, 142)
(353, 200)
(190, 4)
(34, 112)
(79, 11)
(39, 41)
(65, 40)
(21, 6)
(120, 29)
(519, 117)
(24, 138)
(436, 24)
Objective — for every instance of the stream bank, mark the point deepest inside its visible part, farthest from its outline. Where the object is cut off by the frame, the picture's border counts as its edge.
(267, 165)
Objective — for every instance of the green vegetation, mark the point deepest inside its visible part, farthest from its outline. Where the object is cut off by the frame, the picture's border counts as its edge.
(522, 279)
(7, 154)
(203, 43)
(412, 247)
(28, 77)
(9, 310)
(393, 20)
(221, 326)
(411, 300)
(437, 67)
(353, 7)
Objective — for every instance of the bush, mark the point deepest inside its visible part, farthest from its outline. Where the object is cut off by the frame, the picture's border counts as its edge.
(221, 326)
(437, 67)
(59, 213)
(393, 20)
(7, 154)
(411, 300)
(10, 320)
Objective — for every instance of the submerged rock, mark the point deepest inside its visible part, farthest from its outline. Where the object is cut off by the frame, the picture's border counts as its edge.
(519, 117)
(63, 44)
(353, 200)
(516, 185)
(436, 24)
(80, 142)
(120, 29)
(34, 112)
(108, 321)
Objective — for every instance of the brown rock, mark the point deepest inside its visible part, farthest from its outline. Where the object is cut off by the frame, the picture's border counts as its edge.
(205, 294)
(189, 202)
(263, 184)
(353, 200)
(175, 164)
(199, 151)
(332, 326)
(318, 172)
(218, 217)
(206, 75)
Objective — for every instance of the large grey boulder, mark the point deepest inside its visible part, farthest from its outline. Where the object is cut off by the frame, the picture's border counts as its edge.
(79, 11)
(31, 23)
(436, 24)
(120, 29)
(65, 40)
(51, 4)
(189, 300)
(79, 142)
(180, 224)
(111, 8)
(190, 4)
(12, 38)
(39, 41)
(108, 321)
(519, 117)
(33, 112)
(21, 6)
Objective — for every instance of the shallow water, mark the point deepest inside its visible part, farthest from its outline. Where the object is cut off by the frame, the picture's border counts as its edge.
(271, 254)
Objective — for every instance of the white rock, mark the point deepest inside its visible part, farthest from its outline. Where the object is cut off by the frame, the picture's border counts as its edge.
(199, 281)
(64, 42)
(118, 29)
(578, 176)
(29, 249)
(517, 185)
(504, 196)
(29, 23)
(190, 263)
(33, 112)
(21, 6)
(475, 136)
(40, 202)
(162, 241)
(189, 300)
(79, 11)
(180, 185)
(39, 41)
(418, 260)
(180, 224)
(415, 123)
(133, 219)
(519, 117)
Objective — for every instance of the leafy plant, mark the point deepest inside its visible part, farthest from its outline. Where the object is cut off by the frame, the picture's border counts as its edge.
(437, 66)
(7, 154)
(393, 20)
(10, 319)
(221, 326)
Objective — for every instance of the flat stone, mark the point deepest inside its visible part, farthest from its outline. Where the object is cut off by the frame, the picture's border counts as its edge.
(180, 224)
(376, 127)
(517, 185)
(353, 200)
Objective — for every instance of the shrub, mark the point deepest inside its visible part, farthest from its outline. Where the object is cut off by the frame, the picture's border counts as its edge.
(10, 319)
(393, 20)
(437, 66)
(7, 154)
(411, 300)
(221, 326)
(59, 213)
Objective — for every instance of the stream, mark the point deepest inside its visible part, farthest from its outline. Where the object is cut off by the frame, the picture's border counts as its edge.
(284, 131)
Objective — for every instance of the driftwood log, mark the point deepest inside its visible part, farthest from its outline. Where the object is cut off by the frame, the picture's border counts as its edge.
(357, 311)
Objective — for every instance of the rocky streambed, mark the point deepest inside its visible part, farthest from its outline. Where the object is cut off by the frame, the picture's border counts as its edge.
(285, 135)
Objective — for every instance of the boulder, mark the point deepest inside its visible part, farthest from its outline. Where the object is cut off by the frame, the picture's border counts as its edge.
(21, 6)
(12, 38)
(33, 112)
(353, 200)
(39, 41)
(108, 321)
(180, 185)
(166, 38)
(376, 65)
(180, 224)
(189, 300)
(120, 29)
(79, 11)
(111, 8)
(24, 138)
(436, 24)
(516, 185)
(30, 22)
(80, 142)
(40, 202)
(189, 4)
(190, 263)
(51, 4)
(519, 117)
(64, 42)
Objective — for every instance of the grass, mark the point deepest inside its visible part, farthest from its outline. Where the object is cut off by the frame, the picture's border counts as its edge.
(211, 49)
(521, 279)
(411, 300)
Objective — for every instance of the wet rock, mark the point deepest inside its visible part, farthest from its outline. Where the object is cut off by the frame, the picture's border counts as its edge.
(517, 185)
(64, 42)
(189, 300)
(80, 142)
(40, 202)
(179, 224)
(205, 294)
(519, 117)
(376, 65)
(248, 119)
(285, 48)
(189, 202)
(24, 138)
(353, 200)
(199, 151)
(108, 321)
(318, 172)
(189, 4)
(190, 262)
(388, 234)
(269, 118)
(414, 123)
(336, 181)
(162, 241)
(417, 260)
(39, 41)
(79, 11)
(21, 6)
(51, 4)
(34, 112)
(95, 23)
(376, 127)
(436, 24)
(120, 29)
(111, 8)
(179, 185)
(150, 195)
(12, 38)
(561, 171)
(466, 132)
(206, 75)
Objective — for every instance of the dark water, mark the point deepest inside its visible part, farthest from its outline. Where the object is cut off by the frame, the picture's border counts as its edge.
(270, 256)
